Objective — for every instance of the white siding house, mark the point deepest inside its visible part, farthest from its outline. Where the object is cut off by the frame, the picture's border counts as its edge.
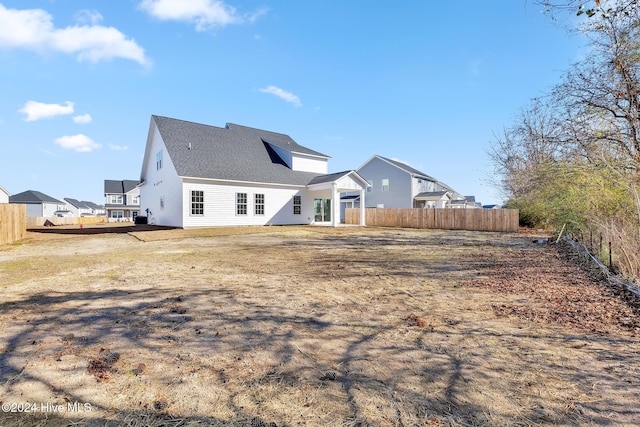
(77, 208)
(196, 175)
(4, 195)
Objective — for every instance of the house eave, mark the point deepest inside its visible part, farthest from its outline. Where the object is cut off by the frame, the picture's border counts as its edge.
(426, 178)
(299, 153)
(232, 181)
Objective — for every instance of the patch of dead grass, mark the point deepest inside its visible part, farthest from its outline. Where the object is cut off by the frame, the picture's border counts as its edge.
(310, 326)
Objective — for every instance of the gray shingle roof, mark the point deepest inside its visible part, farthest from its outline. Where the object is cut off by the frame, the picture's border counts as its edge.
(433, 195)
(119, 187)
(76, 203)
(90, 205)
(328, 178)
(278, 139)
(409, 169)
(236, 153)
(32, 196)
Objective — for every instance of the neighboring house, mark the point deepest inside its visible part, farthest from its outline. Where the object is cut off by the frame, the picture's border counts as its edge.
(96, 210)
(466, 203)
(39, 204)
(122, 200)
(4, 195)
(433, 199)
(196, 175)
(393, 184)
(78, 208)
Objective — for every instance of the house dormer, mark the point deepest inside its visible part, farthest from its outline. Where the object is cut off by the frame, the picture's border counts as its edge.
(304, 160)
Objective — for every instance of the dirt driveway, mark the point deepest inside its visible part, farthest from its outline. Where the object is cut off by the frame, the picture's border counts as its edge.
(284, 326)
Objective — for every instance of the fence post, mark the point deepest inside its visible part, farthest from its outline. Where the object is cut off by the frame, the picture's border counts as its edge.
(600, 247)
(610, 257)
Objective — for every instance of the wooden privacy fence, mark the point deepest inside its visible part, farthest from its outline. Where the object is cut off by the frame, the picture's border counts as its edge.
(13, 222)
(504, 220)
(39, 221)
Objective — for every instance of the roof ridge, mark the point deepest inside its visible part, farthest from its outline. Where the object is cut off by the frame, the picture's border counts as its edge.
(261, 130)
(155, 116)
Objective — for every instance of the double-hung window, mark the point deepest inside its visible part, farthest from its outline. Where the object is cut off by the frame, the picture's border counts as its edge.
(259, 204)
(241, 203)
(159, 160)
(297, 205)
(197, 202)
(385, 184)
(116, 199)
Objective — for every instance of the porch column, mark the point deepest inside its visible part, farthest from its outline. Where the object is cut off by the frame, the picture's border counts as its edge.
(335, 205)
(362, 208)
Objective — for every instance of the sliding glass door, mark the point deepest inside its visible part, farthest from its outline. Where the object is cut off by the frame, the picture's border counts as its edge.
(322, 210)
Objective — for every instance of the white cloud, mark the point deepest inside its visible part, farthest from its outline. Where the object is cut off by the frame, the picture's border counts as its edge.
(118, 147)
(38, 110)
(205, 14)
(33, 29)
(282, 94)
(80, 143)
(88, 16)
(82, 119)
(257, 15)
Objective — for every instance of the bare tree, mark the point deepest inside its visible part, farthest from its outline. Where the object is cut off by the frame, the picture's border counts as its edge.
(600, 98)
(531, 142)
(574, 160)
(588, 8)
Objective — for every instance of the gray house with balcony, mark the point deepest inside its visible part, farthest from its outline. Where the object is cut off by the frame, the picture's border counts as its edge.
(122, 200)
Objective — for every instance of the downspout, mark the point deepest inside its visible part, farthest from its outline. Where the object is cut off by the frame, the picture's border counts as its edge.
(362, 208)
(335, 195)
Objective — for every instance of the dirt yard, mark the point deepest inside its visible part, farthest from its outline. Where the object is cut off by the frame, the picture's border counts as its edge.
(285, 326)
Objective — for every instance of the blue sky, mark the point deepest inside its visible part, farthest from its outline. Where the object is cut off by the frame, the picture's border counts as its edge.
(428, 83)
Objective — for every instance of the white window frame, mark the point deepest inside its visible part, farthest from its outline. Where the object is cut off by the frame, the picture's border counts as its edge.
(297, 203)
(196, 203)
(258, 205)
(242, 203)
(385, 185)
(159, 155)
(119, 199)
